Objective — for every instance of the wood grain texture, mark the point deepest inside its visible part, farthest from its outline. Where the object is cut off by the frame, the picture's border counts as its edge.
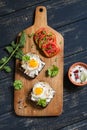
(56, 82)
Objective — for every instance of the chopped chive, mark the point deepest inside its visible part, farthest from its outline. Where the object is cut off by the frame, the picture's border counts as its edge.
(44, 32)
(60, 42)
(30, 35)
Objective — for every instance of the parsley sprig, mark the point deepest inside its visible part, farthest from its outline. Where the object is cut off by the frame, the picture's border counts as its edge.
(26, 58)
(53, 71)
(14, 49)
(42, 102)
(17, 84)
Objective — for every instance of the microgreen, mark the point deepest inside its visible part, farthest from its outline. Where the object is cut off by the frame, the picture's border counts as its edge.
(30, 35)
(32, 46)
(56, 59)
(44, 32)
(7, 69)
(53, 71)
(50, 34)
(14, 49)
(17, 84)
(44, 38)
(42, 102)
(60, 42)
(26, 58)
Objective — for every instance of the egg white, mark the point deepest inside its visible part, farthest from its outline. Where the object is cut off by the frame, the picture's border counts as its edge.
(48, 92)
(32, 71)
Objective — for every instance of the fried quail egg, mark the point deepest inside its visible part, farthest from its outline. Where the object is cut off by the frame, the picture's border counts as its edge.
(42, 93)
(32, 64)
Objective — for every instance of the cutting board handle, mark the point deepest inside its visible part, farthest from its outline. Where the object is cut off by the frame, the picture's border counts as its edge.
(40, 16)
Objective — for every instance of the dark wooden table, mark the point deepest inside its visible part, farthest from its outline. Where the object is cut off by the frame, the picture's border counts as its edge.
(69, 17)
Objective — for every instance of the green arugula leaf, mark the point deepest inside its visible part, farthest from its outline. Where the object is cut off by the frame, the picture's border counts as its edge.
(30, 35)
(53, 71)
(22, 39)
(14, 50)
(44, 32)
(13, 44)
(7, 69)
(42, 102)
(2, 60)
(9, 49)
(26, 58)
(17, 84)
(19, 54)
(50, 34)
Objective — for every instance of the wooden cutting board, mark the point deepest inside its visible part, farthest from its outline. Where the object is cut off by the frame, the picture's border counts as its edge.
(22, 107)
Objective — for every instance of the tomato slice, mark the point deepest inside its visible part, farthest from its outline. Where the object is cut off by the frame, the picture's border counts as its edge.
(46, 40)
(50, 49)
(41, 33)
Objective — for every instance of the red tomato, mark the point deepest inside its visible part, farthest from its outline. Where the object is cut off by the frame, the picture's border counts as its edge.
(41, 33)
(46, 41)
(50, 49)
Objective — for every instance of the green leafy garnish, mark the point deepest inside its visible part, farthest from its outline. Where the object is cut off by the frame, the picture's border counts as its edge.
(44, 38)
(53, 71)
(14, 49)
(26, 58)
(19, 54)
(30, 35)
(2, 60)
(22, 39)
(9, 49)
(44, 32)
(17, 84)
(50, 34)
(7, 69)
(60, 42)
(56, 59)
(42, 102)
(13, 44)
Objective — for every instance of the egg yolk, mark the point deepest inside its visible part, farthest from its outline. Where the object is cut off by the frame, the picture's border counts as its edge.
(33, 63)
(38, 91)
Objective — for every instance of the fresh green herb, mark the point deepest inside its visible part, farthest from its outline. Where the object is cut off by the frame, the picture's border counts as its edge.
(17, 84)
(36, 40)
(44, 38)
(53, 71)
(32, 46)
(30, 35)
(7, 69)
(41, 42)
(26, 58)
(9, 49)
(42, 102)
(22, 40)
(3, 60)
(44, 32)
(13, 44)
(50, 34)
(19, 54)
(56, 59)
(60, 42)
(14, 50)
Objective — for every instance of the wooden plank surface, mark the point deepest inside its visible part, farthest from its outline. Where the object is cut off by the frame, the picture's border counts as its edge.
(56, 82)
(63, 16)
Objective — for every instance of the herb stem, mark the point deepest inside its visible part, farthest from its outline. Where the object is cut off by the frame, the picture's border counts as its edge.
(8, 59)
